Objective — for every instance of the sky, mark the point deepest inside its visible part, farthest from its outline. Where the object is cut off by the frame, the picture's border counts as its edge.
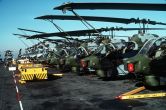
(21, 13)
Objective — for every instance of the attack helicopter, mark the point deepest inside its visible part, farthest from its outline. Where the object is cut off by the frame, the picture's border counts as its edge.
(34, 53)
(63, 57)
(57, 56)
(150, 62)
(8, 58)
(45, 48)
(1, 59)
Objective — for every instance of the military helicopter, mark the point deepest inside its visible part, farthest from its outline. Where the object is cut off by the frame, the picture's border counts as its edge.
(66, 55)
(8, 58)
(19, 54)
(35, 52)
(56, 57)
(1, 59)
(150, 62)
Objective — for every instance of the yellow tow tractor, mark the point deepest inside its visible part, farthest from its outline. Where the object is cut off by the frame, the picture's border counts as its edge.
(31, 71)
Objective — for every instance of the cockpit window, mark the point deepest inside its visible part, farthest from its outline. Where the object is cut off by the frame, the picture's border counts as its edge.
(103, 49)
(62, 53)
(151, 46)
(146, 46)
(82, 51)
(99, 49)
(72, 51)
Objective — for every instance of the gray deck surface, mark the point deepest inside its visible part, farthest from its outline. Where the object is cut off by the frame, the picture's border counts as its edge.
(72, 92)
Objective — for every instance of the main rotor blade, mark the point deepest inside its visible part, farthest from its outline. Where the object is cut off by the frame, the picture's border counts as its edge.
(133, 29)
(62, 34)
(30, 30)
(90, 18)
(21, 35)
(89, 32)
(28, 37)
(144, 21)
(117, 6)
(103, 19)
(46, 39)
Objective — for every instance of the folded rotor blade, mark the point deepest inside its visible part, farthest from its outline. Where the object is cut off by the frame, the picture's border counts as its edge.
(30, 30)
(116, 6)
(101, 19)
(89, 32)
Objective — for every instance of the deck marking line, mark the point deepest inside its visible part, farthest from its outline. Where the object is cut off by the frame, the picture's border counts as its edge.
(17, 93)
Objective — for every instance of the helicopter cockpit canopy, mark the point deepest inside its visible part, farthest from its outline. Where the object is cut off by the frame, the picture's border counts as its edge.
(104, 49)
(154, 47)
